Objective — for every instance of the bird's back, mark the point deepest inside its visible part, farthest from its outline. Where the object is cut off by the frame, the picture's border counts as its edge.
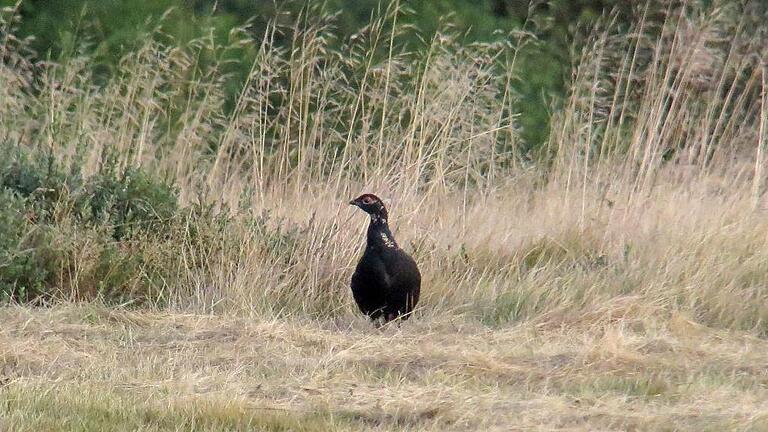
(405, 285)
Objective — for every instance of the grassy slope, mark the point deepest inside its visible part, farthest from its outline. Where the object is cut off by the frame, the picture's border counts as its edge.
(90, 368)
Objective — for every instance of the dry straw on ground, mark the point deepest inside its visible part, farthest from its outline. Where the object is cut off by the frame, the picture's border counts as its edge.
(93, 368)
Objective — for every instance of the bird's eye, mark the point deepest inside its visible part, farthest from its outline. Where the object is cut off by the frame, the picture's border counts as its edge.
(367, 200)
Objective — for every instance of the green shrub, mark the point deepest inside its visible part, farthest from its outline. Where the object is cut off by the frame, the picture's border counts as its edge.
(39, 182)
(25, 258)
(62, 235)
(132, 201)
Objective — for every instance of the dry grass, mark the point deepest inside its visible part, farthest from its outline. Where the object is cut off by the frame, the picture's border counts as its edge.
(615, 280)
(90, 368)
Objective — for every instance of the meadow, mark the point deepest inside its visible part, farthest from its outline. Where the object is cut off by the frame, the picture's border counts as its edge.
(171, 259)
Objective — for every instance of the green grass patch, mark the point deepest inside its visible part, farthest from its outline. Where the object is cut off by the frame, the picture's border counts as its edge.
(643, 387)
(83, 409)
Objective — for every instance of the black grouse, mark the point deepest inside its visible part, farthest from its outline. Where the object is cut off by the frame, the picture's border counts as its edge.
(386, 282)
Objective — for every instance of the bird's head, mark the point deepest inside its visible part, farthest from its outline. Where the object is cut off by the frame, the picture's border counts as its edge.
(370, 204)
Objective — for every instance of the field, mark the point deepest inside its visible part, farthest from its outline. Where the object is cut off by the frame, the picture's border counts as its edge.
(95, 368)
(171, 259)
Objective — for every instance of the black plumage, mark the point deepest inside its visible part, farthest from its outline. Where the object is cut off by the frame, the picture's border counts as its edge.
(386, 282)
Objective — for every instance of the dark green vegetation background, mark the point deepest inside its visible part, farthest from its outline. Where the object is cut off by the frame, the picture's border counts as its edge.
(107, 29)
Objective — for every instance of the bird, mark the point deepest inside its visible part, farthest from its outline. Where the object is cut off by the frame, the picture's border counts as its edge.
(386, 282)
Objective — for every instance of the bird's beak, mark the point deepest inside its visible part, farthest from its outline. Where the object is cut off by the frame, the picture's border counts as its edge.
(353, 202)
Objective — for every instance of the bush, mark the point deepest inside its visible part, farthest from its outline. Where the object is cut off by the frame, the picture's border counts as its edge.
(80, 238)
(134, 201)
(25, 260)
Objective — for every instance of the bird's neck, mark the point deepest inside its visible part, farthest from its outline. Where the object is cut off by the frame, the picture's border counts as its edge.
(379, 235)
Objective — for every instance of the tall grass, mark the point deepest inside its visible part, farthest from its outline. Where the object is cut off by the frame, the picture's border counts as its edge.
(647, 197)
